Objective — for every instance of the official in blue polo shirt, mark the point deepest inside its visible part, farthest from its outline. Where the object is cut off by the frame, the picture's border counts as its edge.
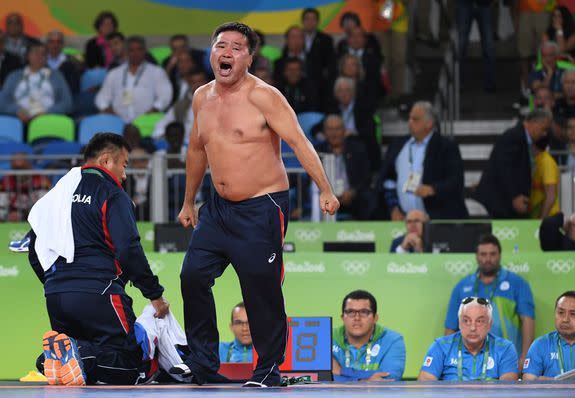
(553, 353)
(362, 349)
(472, 353)
(239, 350)
(510, 295)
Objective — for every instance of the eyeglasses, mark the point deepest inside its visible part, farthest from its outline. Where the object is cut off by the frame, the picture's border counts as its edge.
(364, 313)
(479, 300)
(239, 323)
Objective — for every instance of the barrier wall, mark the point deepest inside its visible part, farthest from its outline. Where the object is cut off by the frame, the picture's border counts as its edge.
(412, 292)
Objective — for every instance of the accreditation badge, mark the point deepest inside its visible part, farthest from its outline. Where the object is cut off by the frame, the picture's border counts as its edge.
(412, 183)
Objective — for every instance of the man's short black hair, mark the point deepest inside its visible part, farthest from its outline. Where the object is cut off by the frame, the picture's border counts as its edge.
(244, 29)
(489, 239)
(136, 39)
(351, 16)
(568, 293)
(105, 15)
(310, 10)
(116, 35)
(360, 295)
(294, 60)
(104, 142)
(261, 38)
(238, 305)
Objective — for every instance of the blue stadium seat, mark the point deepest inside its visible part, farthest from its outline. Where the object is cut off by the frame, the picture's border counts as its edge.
(58, 148)
(92, 79)
(91, 125)
(307, 120)
(290, 160)
(10, 148)
(11, 129)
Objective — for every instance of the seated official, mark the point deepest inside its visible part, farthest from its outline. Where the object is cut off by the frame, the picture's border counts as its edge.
(362, 349)
(552, 354)
(472, 353)
(557, 233)
(239, 350)
(412, 240)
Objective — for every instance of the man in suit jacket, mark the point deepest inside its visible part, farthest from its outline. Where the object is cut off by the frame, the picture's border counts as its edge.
(8, 61)
(423, 170)
(318, 43)
(505, 185)
(352, 179)
(412, 240)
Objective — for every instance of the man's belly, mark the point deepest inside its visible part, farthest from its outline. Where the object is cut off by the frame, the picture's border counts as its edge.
(243, 183)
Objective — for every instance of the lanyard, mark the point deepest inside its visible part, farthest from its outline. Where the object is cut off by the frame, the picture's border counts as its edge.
(367, 356)
(29, 82)
(460, 360)
(231, 349)
(561, 358)
(492, 293)
(139, 73)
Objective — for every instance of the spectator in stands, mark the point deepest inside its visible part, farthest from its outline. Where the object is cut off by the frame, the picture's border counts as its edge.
(472, 353)
(239, 350)
(357, 116)
(181, 111)
(57, 60)
(392, 24)
(564, 108)
(556, 235)
(185, 65)
(18, 193)
(177, 182)
(259, 61)
(362, 349)
(117, 43)
(352, 172)
(509, 293)
(544, 196)
(318, 47)
(179, 44)
(301, 93)
(533, 20)
(135, 88)
(295, 48)
(552, 354)
(138, 183)
(412, 240)
(481, 11)
(543, 98)
(561, 30)
(17, 42)
(350, 66)
(133, 136)
(264, 73)
(36, 89)
(423, 170)
(370, 59)
(505, 184)
(8, 61)
(97, 50)
(348, 22)
(550, 74)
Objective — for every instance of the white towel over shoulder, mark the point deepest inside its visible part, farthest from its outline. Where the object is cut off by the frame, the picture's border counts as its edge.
(51, 220)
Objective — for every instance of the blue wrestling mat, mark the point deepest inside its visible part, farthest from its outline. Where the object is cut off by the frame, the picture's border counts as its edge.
(326, 389)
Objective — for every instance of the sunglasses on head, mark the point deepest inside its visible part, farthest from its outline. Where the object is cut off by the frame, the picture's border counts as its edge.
(479, 300)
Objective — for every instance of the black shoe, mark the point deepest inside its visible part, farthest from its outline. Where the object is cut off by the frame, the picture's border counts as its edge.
(185, 371)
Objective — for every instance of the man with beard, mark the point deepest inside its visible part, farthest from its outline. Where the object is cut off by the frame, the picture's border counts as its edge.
(362, 349)
(552, 353)
(510, 295)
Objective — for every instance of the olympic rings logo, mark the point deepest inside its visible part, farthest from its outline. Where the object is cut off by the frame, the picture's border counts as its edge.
(506, 233)
(16, 235)
(307, 235)
(355, 267)
(560, 266)
(458, 267)
(157, 266)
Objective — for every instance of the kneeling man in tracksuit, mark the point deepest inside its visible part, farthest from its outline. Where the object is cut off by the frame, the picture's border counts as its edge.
(85, 247)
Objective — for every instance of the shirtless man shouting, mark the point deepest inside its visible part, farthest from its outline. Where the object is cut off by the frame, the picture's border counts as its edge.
(238, 123)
